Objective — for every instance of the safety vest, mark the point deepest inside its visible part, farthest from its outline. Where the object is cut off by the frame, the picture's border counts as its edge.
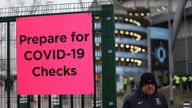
(190, 78)
(131, 78)
(184, 78)
(174, 77)
(177, 80)
(125, 81)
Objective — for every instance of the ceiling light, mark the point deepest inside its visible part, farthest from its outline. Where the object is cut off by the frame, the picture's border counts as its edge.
(126, 19)
(122, 59)
(122, 45)
(116, 45)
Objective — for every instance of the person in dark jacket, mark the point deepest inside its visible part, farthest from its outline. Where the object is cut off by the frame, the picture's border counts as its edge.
(146, 95)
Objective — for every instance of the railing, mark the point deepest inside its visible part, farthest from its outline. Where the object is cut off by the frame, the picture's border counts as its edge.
(52, 9)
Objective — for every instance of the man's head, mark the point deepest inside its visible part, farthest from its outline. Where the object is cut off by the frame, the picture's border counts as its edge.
(148, 83)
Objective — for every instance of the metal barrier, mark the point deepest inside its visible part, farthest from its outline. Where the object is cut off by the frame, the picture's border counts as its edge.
(186, 104)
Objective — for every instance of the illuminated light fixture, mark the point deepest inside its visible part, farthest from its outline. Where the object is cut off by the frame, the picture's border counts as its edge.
(127, 33)
(135, 47)
(116, 45)
(134, 21)
(163, 8)
(139, 49)
(117, 59)
(135, 60)
(131, 46)
(126, 19)
(97, 17)
(97, 58)
(130, 14)
(132, 51)
(97, 32)
(135, 34)
(121, 32)
(127, 46)
(116, 31)
(148, 14)
(115, 18)
(138, 24)
(122, 45)
(138, 39)
(138, 36)
(136, 14)
(131, 20)
(158, 10)
(97, 44)
(142, 14)
(138, 64)
(140, 61)
(132, 60)
(122, 59)
(131, 33)
(127, 59)
(143, 50)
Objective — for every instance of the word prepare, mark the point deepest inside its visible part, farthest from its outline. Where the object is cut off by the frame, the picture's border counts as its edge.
(42, 39)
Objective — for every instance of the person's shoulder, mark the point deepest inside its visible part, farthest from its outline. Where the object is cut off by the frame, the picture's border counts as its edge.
(133, 94)
(130, 99)
(163, 99)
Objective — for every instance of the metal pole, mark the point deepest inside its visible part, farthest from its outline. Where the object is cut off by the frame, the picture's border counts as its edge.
(82, 101)
(71, 101)
(8, 66)
(94, 67)
(108, 58)
(60, 101)
(173, 31)
(177, 21)
(171, 68)
(186, 44)
(39, 101)
(149, 51)
(28, 101)
(49, 100)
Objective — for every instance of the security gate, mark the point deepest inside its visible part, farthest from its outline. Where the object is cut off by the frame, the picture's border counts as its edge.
(104, 54)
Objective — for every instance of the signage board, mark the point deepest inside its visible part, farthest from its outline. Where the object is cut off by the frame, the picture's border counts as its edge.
(159, 54)
(55, 54)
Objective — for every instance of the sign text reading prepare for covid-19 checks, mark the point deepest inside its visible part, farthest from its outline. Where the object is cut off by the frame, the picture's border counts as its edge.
(54, 54)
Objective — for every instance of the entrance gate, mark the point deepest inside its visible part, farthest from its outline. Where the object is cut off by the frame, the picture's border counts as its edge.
(104, 63)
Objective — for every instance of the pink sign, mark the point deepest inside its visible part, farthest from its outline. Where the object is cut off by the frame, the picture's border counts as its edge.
(55, 54)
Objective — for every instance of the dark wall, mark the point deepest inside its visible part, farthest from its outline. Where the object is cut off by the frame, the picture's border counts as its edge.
(180, 56)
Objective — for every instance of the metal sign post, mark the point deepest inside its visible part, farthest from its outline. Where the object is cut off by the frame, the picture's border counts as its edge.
(108, 57)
